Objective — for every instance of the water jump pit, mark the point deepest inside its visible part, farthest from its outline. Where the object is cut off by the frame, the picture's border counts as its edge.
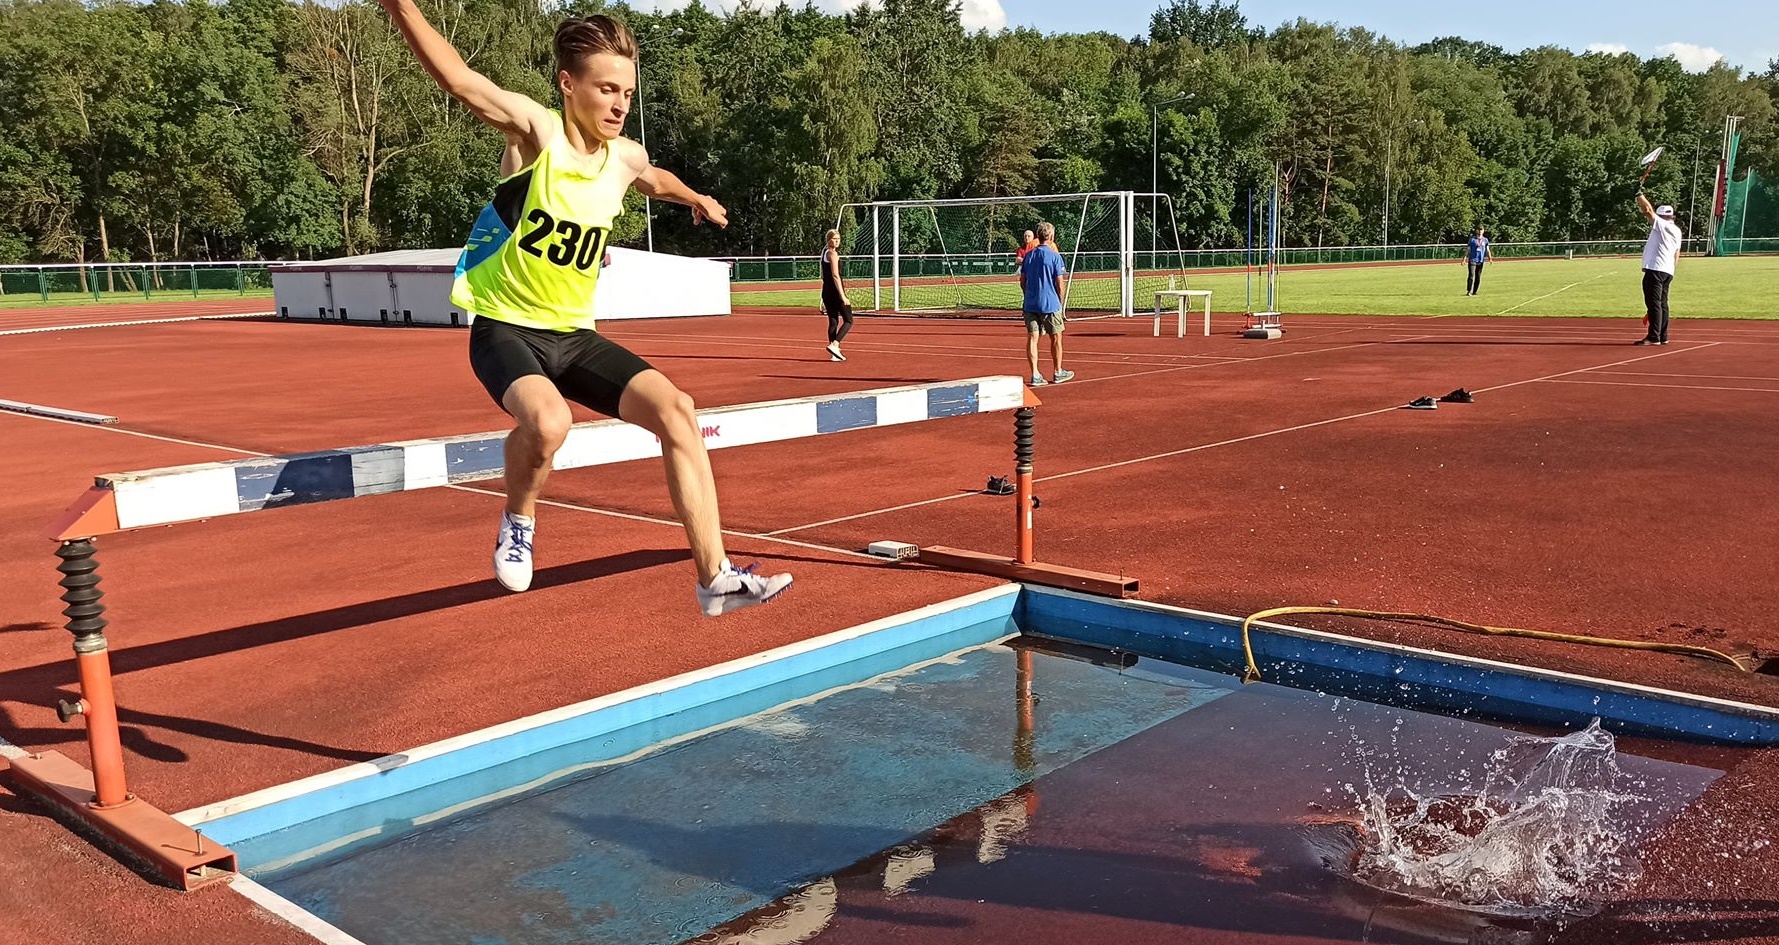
(1020, 764)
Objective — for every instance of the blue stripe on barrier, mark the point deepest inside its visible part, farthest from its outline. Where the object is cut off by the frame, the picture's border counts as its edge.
(951, 401)
(294, 480)
(475, 457)
(833, 416)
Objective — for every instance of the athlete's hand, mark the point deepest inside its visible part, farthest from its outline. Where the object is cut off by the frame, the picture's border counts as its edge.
(707, 208)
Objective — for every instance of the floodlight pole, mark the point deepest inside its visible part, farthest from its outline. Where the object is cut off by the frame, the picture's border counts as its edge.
(1692, 206)
(1389, 158)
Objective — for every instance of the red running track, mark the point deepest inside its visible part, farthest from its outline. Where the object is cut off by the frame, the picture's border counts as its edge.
(1593, 488)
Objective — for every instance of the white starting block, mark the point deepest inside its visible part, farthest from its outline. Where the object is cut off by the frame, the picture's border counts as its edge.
(1182, 298)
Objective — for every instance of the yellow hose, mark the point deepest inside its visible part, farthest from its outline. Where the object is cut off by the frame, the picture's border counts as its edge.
(1253, 671)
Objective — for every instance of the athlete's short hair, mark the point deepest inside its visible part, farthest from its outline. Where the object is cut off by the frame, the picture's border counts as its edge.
(1046, 232)
(581, 37)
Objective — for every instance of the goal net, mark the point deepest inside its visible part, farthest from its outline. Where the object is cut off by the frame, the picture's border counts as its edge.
(959, 258)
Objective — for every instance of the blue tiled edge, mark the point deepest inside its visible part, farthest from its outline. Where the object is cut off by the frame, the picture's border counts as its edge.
(629, 725)
(1381, 672)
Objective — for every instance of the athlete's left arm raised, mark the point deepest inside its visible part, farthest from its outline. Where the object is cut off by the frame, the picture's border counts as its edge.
(665, 185)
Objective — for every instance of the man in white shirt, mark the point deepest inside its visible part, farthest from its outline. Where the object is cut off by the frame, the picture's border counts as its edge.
(1659, 254)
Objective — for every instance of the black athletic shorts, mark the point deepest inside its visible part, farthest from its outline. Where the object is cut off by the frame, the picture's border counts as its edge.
(587, 367)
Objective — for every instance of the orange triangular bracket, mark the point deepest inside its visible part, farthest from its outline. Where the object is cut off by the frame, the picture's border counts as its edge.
(91, 515)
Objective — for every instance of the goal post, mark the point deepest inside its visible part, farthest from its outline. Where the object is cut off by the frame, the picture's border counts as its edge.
(959, 257)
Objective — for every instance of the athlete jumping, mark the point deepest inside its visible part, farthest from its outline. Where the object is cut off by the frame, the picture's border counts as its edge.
(527, 276)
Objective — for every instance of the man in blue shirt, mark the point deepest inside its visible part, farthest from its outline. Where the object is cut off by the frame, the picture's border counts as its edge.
(1041, 279)
(1478, 253)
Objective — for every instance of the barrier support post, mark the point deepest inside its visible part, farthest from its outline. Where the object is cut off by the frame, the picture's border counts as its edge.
(100, 799)
(1024, 566)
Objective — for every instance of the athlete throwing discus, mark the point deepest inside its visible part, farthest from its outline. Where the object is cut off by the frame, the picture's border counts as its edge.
(527, 275)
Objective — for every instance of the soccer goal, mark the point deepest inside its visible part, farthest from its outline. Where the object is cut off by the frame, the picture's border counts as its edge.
(960, 257)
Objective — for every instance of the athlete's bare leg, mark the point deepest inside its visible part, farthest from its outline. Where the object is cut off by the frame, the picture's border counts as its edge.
(652, 402)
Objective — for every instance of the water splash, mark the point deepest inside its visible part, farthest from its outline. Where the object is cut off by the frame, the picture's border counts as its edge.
(1547, 834)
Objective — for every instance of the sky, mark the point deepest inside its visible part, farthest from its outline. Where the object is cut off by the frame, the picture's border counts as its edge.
(1745, 32)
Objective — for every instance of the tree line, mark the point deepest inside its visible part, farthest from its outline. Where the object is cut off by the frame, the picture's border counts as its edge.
(247, 129)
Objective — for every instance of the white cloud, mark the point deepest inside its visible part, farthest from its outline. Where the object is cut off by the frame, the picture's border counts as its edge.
(1610, 49)
(1692, 57)
(984, 15)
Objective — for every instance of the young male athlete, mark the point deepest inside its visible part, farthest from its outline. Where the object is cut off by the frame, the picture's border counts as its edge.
(527, 275)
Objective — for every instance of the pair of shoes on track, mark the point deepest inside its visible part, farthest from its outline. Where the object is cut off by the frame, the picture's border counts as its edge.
(1061, 376)
(1648, 341)
(1459, 396)
(732, 589)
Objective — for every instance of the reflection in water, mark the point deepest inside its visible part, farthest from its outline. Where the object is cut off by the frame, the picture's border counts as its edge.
(796, 918)
(981, 836)
(987, 831)
(905, 866)
(1535, 848)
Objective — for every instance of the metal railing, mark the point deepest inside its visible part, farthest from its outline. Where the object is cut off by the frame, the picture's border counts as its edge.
(73, 283)
(808, 268)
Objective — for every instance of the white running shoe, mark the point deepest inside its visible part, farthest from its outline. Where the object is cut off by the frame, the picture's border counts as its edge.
(834, 351)
(733, 590)
(512, 551)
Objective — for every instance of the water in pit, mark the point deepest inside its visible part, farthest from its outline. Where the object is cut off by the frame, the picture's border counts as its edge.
(995, 795)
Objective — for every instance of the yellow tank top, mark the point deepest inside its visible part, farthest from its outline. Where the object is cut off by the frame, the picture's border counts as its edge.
(533, 257)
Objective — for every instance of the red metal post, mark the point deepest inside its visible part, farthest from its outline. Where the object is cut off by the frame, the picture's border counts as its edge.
(98, 706)
(100, 709)
(1023, 423)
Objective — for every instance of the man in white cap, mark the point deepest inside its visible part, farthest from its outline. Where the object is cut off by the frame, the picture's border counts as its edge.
(1659, 254)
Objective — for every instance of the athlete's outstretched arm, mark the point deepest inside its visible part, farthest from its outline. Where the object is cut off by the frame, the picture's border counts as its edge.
(511, 112)
(1644, 205)
(665, 185)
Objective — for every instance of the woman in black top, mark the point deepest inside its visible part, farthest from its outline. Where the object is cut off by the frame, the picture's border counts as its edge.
(834, 297)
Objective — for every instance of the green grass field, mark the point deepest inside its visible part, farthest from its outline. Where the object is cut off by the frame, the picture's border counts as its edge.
(33, 300)
(1724, 287)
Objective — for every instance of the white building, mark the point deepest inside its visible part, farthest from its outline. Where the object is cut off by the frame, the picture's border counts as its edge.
(413, 286)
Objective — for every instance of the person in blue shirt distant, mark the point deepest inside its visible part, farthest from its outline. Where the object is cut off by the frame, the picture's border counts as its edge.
(1041, 278)
(1477, 253)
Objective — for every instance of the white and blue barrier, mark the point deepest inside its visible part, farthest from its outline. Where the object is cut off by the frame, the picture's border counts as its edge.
(207, 490)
